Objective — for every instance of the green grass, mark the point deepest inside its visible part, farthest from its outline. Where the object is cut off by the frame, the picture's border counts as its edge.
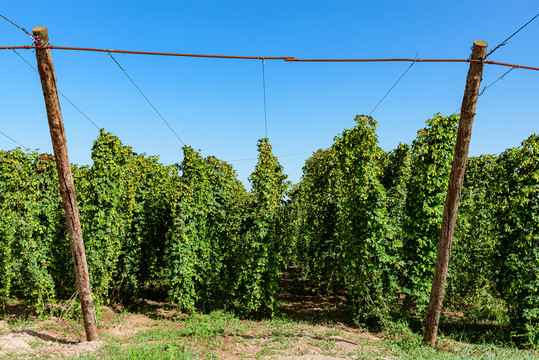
(418, 351)
(409, 345)
(144, 352)
(196, 326)
(200, 336)
(166, 340)
(220, 333)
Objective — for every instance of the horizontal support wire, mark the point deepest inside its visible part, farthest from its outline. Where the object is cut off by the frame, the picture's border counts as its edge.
(283, 58)
(277, 156)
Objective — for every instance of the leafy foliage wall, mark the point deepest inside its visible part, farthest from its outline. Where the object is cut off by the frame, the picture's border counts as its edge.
(362, 222)
(185, 228)
(366, 223)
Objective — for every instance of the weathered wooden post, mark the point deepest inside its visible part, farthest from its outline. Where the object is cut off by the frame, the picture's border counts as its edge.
(467, 113)
(67, 188)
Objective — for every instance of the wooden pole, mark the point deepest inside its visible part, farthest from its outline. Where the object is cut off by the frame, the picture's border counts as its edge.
(467, 113)
(67, 188)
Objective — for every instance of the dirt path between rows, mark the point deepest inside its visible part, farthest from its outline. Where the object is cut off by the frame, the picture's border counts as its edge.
(318, 328)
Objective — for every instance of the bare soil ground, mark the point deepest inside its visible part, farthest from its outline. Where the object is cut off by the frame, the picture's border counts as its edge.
(318, 328)
(52, 338)
(60, 338)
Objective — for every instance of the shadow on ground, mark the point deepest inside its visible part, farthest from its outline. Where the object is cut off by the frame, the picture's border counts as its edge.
(302, 301)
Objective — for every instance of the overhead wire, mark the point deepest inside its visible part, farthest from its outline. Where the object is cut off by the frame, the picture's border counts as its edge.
(15, 141)
(395, 84)
(59, 92)
(264, 87)
(503, 43)
(38, 44)
(495, 81)
(284, 155)
(284, 58)
(488, 86)
(148, 100)
(36, 41)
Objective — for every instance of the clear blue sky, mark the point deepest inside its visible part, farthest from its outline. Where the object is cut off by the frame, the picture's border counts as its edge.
(217, 105)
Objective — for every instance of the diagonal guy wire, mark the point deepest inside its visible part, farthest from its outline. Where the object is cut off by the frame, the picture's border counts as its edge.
(59, 92)
(395, 84)
(503, 43)
(36, 41)
(486, 87)
(149, 102)
(495, 81)
(15, 141)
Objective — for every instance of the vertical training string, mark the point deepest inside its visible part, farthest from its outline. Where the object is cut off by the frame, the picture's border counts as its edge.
(264, 88)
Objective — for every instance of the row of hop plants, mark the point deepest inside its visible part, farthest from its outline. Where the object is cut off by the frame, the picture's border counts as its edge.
(191, 230)
(361, 220)
(366, 223)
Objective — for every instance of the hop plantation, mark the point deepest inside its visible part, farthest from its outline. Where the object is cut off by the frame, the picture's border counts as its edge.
(362, 222)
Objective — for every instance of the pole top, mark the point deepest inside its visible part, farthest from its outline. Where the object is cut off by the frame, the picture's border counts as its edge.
(479, 50)
(41, 33)
(40, 29)
(480, 43)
